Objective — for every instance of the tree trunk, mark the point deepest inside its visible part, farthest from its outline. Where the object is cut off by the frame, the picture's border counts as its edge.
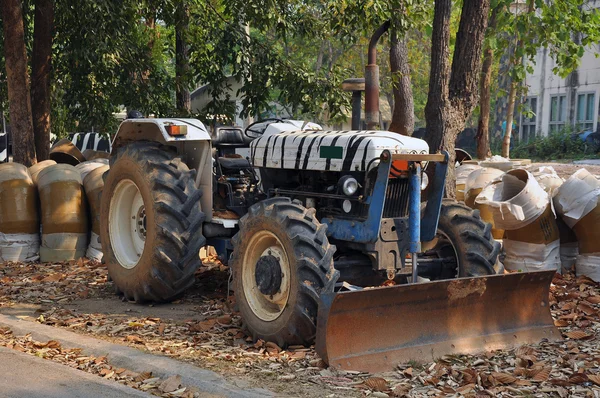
(437, 107)
(510, 112)
(403, 118)
(483, 127)
(18, 83)
(452, 96)
(182, 65)
(40, 76)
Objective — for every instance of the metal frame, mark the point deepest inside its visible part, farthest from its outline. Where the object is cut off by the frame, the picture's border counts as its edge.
(421, 228)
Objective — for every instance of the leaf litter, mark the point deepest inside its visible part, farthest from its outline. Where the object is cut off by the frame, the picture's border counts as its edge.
(214, 338)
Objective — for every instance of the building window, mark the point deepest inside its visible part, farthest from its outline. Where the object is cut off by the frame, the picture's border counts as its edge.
(558, 112)
(528, 119)
(585, 111)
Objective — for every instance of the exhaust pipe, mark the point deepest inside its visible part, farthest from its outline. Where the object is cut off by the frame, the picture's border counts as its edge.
(372, 79)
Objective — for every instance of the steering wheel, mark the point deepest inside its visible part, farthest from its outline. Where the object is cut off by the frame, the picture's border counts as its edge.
(249, 129)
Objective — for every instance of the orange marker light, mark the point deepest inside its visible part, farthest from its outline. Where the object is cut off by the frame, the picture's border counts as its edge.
(399, 168)
(176, 130)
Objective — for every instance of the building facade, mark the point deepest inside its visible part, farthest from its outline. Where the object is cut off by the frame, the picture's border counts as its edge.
(552, 103)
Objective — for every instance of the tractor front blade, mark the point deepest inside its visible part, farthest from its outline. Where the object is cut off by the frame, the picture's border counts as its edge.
(375, 329)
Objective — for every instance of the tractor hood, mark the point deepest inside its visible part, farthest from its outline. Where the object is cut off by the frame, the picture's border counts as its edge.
(329, 150)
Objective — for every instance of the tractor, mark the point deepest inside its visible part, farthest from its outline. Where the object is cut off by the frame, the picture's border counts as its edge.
(326, 233)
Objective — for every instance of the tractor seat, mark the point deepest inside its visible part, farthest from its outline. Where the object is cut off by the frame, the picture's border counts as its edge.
(234, 163)
(231, 137)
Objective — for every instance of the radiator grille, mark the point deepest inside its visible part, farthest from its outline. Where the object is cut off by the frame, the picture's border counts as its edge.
(396, 199)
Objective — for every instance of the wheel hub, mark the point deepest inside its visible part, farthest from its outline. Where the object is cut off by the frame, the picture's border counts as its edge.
(268, 275)
(127, 224)
(140, 220)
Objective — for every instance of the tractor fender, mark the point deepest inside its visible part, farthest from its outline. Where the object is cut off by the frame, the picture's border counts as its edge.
(155, 130)
(194, 147)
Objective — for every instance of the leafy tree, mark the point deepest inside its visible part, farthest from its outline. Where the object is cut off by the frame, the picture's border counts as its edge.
(453, 88)
(564, 27)
(40, 76)
(18, 82)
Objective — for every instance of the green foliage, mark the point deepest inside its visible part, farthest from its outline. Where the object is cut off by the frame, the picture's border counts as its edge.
(565, 27)
(561, 145)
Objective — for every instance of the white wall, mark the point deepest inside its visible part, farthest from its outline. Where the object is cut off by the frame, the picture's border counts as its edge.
(543, 84)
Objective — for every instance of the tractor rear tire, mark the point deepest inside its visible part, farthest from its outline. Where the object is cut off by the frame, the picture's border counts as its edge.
(282, 261)
(469, 238)
(151, 223)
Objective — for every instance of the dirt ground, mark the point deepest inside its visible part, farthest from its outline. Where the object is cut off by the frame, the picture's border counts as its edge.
(203, 329)
(565, 170)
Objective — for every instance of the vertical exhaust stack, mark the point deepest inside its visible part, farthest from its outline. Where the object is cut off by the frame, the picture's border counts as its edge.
(372, 79)
(356, 86)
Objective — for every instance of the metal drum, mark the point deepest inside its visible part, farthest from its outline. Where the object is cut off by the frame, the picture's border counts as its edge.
(34, 170)
(64, 213)
(90, 154)
(89, 165)
(64, 151)
(475, 182)
(93, 184)
(19, 218)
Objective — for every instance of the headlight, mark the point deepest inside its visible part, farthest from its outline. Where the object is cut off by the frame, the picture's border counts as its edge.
(347, 206)
(424, 181)
(349, 185)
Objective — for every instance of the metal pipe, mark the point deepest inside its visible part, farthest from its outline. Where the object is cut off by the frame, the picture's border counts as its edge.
(415, 268)
(356, 105)
(372, 54)
(414, 216)
(372, 79)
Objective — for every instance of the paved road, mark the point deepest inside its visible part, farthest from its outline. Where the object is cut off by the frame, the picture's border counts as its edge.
(23, 375)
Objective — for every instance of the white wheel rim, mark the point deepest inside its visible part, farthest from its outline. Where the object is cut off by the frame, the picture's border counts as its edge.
(267, 308)
(127, 224)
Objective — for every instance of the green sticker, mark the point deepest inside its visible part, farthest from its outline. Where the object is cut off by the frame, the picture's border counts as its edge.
(331, 152)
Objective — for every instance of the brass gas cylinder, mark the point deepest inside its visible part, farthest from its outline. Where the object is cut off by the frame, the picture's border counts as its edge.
(19, 217)
(93, 184)
(64, 213)
(34, 170)
(64, 151)
(89, 165)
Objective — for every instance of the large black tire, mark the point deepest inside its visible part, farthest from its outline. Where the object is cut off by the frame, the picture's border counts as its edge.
(172, 223)
(309, 257)
(469, 238)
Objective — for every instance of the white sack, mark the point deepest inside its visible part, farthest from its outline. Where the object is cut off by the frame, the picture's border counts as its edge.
(588, 265)
(513, 202)
(577, 197)
(522, 256)
(19, 247)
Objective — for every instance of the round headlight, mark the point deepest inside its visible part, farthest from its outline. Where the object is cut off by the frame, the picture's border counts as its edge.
(424, 181)
(347, 206)
(350, 186)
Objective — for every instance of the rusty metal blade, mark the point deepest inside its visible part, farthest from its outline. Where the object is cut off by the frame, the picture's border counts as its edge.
(375, 329)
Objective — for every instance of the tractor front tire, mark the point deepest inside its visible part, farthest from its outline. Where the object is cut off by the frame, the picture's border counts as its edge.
(462, 233)
(151, 223)
(282, 261)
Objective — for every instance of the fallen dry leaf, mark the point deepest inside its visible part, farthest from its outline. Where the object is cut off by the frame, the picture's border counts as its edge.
(594, 379)
(504, 378)
(578, 378)
(542, 375)
(586, 309)
(577, 335)
(561, 323)
(132, 338)
(171, 384)
(593, 299)
(377, 384)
